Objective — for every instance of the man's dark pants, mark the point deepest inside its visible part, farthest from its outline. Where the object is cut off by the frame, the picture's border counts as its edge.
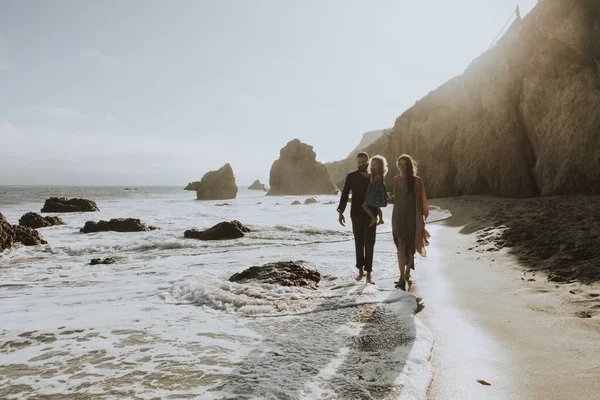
(364, 240)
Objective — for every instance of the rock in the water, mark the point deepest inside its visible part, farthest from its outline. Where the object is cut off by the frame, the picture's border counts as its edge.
(223, 205)
(217, 185)
(11, 234)
(35, 221)
(257, 185)
(27, 236)
(107, 260)
(296, 203)
(297, 172)
(117, 225)
(6, 234)
(193, 186)
(521, 121)
(285, 273)
(61, 205)
(310, 200)
(221, 231)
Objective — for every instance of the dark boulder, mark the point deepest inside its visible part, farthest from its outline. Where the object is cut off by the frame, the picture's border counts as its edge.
(284, 273)
(11, 234)
(61, 204)
(117, 225)
(107, 260)
(221, 231)
(35, 221)
(6, 234)
(27, 236)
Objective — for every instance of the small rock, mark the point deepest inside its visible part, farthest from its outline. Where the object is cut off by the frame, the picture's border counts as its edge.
(286, 273)
(296, 203)
(221, 231)
(61, 204)
(553, 277)
(27, 236)
(583, 314)
(35, 221)
(108, 260)
(117, 225)
(310, 200)
(481, 381)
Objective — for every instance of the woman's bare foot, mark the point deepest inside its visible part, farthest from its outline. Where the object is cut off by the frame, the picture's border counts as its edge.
(368, 279)
(380, 222)
(361, 274)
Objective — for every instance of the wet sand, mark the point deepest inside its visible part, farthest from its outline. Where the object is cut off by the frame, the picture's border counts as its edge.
(496, 319)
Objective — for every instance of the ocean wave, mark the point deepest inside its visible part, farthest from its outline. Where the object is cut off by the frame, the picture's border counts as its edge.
(256, 299)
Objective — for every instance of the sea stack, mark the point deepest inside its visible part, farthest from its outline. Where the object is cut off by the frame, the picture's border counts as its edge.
(217, 185)
(257, 186)
(297, 172)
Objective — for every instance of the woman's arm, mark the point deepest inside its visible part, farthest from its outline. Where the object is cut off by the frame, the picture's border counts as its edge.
(422, 197)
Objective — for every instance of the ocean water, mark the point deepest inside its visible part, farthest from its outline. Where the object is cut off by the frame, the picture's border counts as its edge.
(164, 322)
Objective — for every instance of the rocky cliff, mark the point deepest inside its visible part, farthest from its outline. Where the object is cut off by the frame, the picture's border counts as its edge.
(217, 185)
(297, 172)
(523, 119)
(367, 139)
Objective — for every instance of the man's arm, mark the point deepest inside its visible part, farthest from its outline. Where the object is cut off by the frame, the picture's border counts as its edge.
(345, 194)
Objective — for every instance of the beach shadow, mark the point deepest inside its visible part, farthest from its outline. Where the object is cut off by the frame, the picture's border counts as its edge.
(338, 350)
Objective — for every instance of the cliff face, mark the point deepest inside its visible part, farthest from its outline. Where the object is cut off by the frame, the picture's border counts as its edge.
(367, 139)
(297, 172)
(339, 169)
(522, 120)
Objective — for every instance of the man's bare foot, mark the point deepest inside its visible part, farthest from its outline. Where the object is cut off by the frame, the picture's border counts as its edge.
(380, 222)
(361, 274)
(368, 279)
(373, 222)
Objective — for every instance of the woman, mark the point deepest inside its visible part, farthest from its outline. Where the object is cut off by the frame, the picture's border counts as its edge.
(408, 217)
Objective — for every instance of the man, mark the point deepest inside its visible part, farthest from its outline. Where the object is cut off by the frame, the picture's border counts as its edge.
(364, 235)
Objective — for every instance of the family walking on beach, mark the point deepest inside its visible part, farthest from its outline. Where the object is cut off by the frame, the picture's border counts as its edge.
(369, 195)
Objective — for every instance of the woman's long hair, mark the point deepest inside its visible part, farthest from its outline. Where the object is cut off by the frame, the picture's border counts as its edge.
(382, 163)
(411, 170)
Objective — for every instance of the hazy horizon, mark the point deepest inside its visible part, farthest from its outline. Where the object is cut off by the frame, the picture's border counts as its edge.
(155, 93)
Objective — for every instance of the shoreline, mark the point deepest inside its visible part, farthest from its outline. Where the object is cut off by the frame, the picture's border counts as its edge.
(495, 321)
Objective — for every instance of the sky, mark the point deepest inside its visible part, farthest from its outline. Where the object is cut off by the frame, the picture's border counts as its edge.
(146, 92)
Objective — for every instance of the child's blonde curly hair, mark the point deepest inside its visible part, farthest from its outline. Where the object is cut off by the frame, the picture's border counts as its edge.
(382, 164)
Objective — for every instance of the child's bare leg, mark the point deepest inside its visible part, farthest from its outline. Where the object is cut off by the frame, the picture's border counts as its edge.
(380, 214)
(370, 214)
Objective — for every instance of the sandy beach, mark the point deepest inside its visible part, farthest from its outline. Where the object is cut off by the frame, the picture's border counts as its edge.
(500, 319)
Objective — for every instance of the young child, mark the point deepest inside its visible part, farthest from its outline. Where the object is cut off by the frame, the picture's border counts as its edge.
(376, 196)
